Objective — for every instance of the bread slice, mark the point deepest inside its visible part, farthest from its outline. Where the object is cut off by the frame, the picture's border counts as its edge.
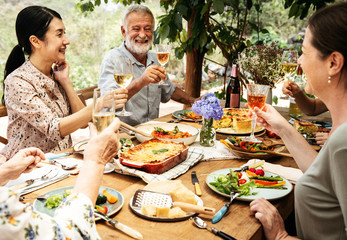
(305, 126)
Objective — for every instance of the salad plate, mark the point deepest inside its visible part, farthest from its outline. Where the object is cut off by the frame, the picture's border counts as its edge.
(39, 205)
(267, 193)
(182, 114)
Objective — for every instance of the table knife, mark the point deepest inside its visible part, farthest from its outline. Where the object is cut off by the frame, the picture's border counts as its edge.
(131, 232)
(196, 184)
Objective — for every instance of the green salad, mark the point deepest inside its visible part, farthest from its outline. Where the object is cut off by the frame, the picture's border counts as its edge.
(55, 200)
(226, 183)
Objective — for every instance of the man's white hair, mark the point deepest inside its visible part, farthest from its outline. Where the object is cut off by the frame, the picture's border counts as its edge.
(138, 9)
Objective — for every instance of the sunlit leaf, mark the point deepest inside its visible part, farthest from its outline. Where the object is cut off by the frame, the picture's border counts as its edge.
(218, 6)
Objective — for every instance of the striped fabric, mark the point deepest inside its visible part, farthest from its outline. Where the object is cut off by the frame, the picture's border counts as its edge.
(194, 155)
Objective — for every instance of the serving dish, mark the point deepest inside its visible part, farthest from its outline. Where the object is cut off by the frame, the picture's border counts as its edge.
(267, 193)
(149, 128)
(246, 154)
(144, 158)
(181, 114)
(162, 219)
(39, 205)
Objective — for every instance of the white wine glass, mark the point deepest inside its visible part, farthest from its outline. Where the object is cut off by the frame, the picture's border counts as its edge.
(163, 54)
(103, 109)
(289, 62)
(256, 97)
(123, 75)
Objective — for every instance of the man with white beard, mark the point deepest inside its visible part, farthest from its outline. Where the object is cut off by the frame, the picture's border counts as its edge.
(144, 92)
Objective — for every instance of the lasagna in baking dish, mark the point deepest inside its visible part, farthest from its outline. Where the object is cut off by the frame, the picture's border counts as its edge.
(155, 156)
(235, 118)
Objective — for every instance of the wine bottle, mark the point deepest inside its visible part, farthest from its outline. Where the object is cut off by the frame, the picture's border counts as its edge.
(233, 90)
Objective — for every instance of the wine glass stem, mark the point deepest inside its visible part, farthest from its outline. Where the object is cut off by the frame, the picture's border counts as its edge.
(254, 121)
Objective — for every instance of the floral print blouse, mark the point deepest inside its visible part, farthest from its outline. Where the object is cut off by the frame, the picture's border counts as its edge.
(74, 219)
(35, 104)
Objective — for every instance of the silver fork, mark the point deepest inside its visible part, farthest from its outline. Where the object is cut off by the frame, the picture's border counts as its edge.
(42, 178)
(127, 131)
(218, 216)
(41, 197)
(31, 181)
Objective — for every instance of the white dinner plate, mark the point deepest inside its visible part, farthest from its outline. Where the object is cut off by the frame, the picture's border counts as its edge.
(232, 131)
(160, 219)
(39, 205)
(267, 193)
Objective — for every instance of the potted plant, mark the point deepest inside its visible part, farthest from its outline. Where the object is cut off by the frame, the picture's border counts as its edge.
(262, 64)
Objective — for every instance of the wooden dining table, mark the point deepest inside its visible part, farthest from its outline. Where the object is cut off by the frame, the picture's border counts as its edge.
(238, 222)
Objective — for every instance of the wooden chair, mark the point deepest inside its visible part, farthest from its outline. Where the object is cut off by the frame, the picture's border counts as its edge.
(86, 93)
(3, 113)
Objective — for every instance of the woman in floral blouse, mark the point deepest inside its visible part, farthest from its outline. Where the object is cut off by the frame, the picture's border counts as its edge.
(73, 219)
(43, 108)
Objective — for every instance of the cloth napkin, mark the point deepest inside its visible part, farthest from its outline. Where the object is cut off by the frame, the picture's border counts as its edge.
(291, 174)
(55, 175)
(194, 155)
(218, 152)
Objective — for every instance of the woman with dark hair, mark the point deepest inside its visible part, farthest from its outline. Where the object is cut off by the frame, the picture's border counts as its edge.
(43, 108)
(74, 218)
(320, 194)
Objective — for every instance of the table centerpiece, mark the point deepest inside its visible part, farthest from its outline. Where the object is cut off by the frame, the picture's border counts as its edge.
(209, 107)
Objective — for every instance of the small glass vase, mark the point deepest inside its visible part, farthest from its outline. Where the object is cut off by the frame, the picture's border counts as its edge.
(207, 133)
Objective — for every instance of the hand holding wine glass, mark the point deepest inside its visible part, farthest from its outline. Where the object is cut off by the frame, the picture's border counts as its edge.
(123, 75)
(103, 109)
(163, 54)
(289, 62)
(256, 97)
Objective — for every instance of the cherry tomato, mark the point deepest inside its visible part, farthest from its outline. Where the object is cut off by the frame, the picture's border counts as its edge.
(239, 175)
(259, 172)
(252, 170)
(242, 181)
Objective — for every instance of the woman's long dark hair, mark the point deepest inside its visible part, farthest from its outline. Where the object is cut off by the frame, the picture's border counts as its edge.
(33, 20)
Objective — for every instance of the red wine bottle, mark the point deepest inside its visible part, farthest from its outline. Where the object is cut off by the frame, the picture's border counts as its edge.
(233, 90)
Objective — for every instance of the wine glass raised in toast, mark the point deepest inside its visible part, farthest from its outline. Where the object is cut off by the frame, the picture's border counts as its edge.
(256, 97)
(123, 74)
(289, 62)
(163, 54)
(103, 109)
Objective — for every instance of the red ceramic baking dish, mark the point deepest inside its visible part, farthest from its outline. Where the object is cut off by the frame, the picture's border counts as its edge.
(155, 156)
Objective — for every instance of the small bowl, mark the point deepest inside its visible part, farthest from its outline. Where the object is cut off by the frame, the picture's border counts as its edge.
(149, 128)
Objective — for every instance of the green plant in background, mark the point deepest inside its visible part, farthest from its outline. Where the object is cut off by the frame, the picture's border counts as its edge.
(261, 64)
(220, 95)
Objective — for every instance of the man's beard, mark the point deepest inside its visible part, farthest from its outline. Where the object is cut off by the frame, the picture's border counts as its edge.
(139, 50)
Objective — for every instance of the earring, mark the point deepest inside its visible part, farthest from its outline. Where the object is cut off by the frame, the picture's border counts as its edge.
(329, 79)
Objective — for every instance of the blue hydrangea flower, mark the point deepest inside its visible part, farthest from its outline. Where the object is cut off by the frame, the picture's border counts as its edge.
(209, 107)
